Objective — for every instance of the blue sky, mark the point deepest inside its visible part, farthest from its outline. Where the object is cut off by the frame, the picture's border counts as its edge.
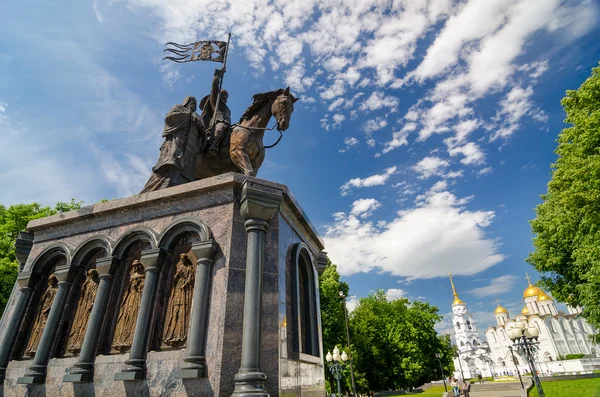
(422, 141)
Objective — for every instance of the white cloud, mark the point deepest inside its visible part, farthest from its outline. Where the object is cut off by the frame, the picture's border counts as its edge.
(336, 104)
(373, 125)
(373, 180)
(337, 119)
(335, 63)
(399, 138)
(429, 240)
(97, 12)
(294, 77)
(336, 89)
(393, 294)
(364, 207)
(351, 303)
(472, 153)
(378, 100)
(485, 171)
(430, 166)
(498, 286)
(349, 141)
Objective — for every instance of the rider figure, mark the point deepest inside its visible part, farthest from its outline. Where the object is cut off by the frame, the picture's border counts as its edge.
(222, 119)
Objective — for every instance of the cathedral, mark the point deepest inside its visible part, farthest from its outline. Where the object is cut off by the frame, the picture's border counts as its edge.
(560, 334)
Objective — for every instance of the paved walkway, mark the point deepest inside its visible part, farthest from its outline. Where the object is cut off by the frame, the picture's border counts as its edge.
(496, 389)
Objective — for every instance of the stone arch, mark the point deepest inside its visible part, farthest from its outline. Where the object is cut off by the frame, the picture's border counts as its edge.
(48, 257)
(56, 256)
(90, 247)
(84, 259)
(180, 227)
(547, 356)
(132, 236)
(304, 301)
(177, 239)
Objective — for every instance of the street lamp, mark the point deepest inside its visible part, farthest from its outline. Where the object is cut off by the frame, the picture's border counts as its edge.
(439, 356)
(524, 336)
(336, 366)
(516, 363)
(348, 336)
(457, 357)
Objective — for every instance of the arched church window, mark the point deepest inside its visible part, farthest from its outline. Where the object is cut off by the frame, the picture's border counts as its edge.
(475, 342)
(462, 344)
(494, 337)
(469, 325)
(457, 325)
(305, 302)
(503, 335)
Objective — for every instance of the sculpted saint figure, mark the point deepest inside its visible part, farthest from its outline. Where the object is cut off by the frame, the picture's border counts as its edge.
(222, 119)
(180, 303)
(42, 316)
(82, 314)
(130, 306)
(184, 135)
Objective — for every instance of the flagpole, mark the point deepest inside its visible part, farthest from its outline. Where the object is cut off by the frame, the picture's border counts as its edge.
(212, 123)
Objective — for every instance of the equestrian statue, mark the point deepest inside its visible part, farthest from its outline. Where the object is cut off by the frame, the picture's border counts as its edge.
(198, 147)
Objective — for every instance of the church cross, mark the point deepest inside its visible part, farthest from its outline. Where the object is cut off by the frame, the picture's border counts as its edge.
(528, 278)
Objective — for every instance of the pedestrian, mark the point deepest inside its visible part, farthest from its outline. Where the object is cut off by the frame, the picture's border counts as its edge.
(466, 387)
(455, 388)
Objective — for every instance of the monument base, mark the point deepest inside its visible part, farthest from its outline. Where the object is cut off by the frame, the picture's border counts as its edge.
(158, 219)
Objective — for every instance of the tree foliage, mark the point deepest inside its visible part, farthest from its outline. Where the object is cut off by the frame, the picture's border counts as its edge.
(332, 310)
(567, 223)
(395, 343)
(13, 220)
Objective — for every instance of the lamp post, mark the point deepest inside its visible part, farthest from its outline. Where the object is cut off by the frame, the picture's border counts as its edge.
(348, 336)
(524, 336)
(336, 366)
(439, 356)
(457, 357)
(516, 363)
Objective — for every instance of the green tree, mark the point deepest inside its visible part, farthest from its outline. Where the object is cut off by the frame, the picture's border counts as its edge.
(332, 311)
(395, 343)
(567, 223)
(13, 220)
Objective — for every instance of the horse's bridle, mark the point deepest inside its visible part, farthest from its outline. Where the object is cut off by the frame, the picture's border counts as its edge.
(264, 129)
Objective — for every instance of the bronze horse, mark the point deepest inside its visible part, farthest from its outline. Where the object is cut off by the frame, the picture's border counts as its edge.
(242, 150)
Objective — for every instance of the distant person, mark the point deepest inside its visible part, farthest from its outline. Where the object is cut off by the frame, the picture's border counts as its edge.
(465, 387)
(480, 378)
(455, 387)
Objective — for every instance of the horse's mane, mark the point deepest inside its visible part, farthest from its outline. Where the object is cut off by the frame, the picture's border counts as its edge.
(259, 101)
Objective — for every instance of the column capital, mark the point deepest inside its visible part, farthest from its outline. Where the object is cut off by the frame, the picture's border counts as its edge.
(259, 201)
(66, 273)
(205, 249)
(321, 262)
(23, 247)
(24, 280)
(107, 265)
(153, 259)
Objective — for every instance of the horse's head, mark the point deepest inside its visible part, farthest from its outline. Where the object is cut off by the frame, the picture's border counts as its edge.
(282, 109)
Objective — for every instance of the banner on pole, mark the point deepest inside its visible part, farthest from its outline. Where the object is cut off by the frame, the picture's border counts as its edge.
(209, 50)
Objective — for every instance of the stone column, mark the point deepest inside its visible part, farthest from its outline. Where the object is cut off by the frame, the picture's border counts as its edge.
(83, 370)
(14, 323)
(36, 373)
(258, 205)
(135, 366)
(195, 359)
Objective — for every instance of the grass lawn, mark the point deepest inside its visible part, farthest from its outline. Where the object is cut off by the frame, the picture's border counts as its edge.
(570, 388)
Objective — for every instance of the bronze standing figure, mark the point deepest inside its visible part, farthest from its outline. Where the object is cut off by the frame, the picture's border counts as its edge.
(180, 303)
(128, 311)
(42, 316)
(82, 314)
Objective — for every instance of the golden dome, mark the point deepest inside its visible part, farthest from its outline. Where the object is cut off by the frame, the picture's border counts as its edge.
(532, 290)
(525, 311)
(456, 300)
(500, 309)
(544, 297)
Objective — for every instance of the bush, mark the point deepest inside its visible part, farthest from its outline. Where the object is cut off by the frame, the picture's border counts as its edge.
(574, 356)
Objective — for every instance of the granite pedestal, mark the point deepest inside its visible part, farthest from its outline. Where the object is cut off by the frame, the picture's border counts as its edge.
(245, 337)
